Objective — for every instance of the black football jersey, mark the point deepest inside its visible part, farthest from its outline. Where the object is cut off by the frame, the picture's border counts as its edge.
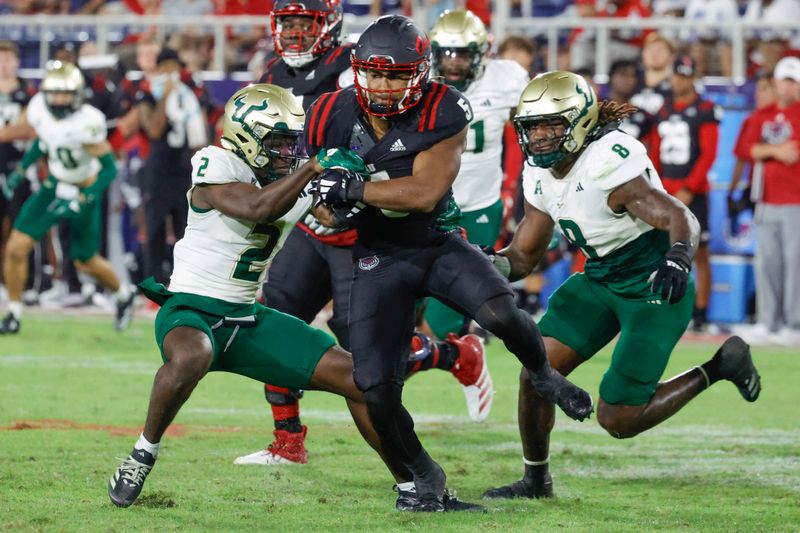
(311, 81)
(679, 133)
(11, 106)
(336, 120)
(638, 125)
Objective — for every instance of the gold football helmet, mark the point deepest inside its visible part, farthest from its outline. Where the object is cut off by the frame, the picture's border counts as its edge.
(63, 87)
(459, 34)
(552, 98)
(263, 125)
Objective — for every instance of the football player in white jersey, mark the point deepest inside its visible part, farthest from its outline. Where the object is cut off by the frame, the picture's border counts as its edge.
(72, 135)
(244, 200)
(598, 186)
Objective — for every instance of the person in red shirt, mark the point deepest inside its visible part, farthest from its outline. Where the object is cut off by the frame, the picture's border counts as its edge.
(684, 148)
(772, 140)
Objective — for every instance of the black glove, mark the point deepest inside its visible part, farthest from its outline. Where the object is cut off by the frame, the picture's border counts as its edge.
(339, 186)
(672, 276)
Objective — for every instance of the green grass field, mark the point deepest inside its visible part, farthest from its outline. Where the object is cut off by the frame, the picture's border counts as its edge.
(73, 396)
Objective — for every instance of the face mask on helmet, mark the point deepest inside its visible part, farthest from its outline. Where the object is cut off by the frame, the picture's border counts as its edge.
(384, 89)
(62, 87)
(542, 139)
(303, 32)
(458, 66)
(285, 150)
(61, 104)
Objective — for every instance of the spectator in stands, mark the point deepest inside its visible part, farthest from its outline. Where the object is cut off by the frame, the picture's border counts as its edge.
(622, 82)
(684, 149)
(772, 138)
(520, 49)
(175, 125)
(775, 11)
(710, 47)
(658, 55)
(739, 196)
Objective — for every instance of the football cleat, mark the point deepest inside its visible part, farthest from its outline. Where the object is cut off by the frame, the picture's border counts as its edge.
(287, 449)
(406, 499)
(10, 325)
(127, 482)
(447, 503)
(524, 488)
(125, 312)
(573, 400)
(471, 370)
(736, 365)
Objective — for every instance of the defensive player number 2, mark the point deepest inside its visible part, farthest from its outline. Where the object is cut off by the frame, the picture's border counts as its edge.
(573, 232)
(253, 260)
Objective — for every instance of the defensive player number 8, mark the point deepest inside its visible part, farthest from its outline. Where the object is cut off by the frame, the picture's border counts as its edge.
(254, 259)
(573, 232)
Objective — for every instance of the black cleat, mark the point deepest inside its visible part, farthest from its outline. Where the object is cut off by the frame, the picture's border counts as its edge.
(447, 503)
(736, 365)
(124, 312)
(9, 325)
(552, 386)
(127, 482)
(453, 504)
(523, 488)
(406, 499)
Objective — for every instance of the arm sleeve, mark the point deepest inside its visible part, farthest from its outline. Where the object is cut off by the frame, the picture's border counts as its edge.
(697, 180)
(107, 173)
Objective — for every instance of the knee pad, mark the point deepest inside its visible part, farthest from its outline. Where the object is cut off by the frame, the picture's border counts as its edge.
(281, 395)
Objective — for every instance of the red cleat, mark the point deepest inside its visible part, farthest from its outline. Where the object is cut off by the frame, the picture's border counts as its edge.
(287, 449)
(471, 370)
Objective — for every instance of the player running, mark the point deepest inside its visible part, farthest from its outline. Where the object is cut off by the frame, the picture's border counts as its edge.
(243, 203)
(72, 135)
(315, 264)
(598, 185)
(410, 133)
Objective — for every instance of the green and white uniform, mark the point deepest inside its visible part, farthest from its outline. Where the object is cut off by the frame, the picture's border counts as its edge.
(613, 295)
(63, 141)
(219, 266)
(480, 178)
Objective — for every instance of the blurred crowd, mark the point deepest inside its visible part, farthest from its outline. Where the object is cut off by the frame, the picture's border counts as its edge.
(159, 112)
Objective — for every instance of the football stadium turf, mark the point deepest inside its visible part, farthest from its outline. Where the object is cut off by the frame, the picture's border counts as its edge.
(73, 396)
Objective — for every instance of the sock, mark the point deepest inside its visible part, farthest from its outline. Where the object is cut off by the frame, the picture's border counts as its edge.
(123, 293)
(711, 369)
(699, 315)
(149, 447)
(536, 469)
(15, 308)
(408, 486)
(427, 354)
(287, 417)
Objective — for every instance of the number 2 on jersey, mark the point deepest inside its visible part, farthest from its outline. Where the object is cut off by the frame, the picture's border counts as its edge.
(573, 232)
(254, 259)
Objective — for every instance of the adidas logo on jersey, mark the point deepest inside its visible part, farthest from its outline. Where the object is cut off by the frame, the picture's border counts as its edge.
(483, 219)
(579, 188)
(310, 75)
(486, 103)
(398, 146)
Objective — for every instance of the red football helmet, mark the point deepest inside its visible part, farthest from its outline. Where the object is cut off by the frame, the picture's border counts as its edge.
(300, 46)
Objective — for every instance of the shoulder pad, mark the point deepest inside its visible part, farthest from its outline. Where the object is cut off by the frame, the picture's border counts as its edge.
(215, 165)
(614, 159)
(444, 110)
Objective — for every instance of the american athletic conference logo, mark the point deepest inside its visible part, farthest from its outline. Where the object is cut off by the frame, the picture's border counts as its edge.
(368, 263)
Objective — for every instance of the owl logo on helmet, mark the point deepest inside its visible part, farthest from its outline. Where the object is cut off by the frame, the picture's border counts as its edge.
(555, 114)
(303, 31)
(394, 47)
(263, 125)
(459, 42)
(62, 87)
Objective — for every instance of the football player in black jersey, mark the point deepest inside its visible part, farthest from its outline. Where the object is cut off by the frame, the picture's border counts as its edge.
(315, 264)
(410, 135)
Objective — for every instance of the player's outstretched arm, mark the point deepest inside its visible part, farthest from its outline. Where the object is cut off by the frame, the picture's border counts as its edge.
(247, 202)
(529, 242)
(433, 173)
(658, 209)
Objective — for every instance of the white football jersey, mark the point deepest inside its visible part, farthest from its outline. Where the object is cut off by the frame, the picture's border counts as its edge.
(492, 97)
(578, 203)
(221, 256)
(64, 139)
